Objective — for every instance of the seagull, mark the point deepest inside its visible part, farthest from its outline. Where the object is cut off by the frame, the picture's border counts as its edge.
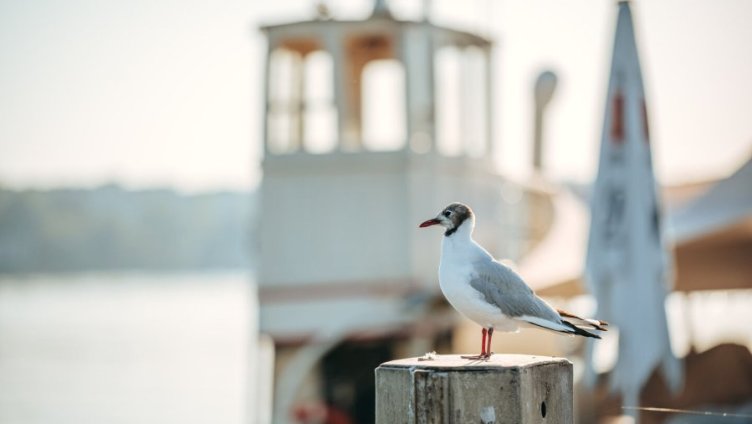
(490, 293)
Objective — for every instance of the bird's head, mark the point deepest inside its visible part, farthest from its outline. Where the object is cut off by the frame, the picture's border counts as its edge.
(451, 218)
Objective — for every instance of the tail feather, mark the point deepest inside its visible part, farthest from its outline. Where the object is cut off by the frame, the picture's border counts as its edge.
(587, 323)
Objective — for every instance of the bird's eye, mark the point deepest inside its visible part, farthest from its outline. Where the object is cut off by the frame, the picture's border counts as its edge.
(447, 213)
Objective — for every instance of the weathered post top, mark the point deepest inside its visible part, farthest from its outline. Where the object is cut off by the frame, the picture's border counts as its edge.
(449, 389)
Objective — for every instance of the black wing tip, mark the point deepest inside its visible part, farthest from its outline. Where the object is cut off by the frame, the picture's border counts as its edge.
(579, 331)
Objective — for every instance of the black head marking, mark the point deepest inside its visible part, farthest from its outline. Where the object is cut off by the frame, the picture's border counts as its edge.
(456, 213)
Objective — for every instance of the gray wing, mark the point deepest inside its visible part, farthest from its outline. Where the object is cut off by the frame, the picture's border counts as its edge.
(504, 288)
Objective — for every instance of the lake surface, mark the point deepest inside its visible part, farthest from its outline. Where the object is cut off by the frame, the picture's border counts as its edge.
(126, 348)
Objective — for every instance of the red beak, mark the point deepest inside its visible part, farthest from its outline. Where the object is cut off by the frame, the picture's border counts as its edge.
(428, 223)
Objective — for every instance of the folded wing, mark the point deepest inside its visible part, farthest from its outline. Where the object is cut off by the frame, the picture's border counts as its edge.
(503, 287)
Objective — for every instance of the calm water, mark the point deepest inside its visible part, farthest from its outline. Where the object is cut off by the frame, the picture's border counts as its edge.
(100, 348)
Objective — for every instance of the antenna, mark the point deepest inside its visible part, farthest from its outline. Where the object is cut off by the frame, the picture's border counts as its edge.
(427, 10)
(380, 8)
(545, 86)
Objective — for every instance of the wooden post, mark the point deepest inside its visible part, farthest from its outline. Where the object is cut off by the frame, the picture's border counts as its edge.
(450, 390)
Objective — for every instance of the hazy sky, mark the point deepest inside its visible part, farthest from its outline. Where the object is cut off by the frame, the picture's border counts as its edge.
(167, 92)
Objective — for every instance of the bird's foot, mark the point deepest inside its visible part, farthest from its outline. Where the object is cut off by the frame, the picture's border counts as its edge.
(480, 357)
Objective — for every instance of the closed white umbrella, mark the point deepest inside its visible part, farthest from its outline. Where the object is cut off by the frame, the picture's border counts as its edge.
(628, 263)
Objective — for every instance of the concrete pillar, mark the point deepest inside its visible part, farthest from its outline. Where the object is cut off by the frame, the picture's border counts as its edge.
(489, 106)
(451, 390)
(271, 45)
(334, 45)
(417, 56)
(297, 118)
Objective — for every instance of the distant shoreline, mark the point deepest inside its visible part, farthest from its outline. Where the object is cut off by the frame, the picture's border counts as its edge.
(111, 229)
(97, 274)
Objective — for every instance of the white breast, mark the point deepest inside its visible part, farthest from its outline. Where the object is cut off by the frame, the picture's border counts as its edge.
(455, 273)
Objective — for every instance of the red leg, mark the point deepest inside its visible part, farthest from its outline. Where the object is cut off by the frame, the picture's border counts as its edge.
(483, 353)
(488, 349)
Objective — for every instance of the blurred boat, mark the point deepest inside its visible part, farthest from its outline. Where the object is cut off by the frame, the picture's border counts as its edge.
(371, 125)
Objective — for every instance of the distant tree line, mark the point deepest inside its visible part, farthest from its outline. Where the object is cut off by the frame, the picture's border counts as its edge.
(110, 228)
